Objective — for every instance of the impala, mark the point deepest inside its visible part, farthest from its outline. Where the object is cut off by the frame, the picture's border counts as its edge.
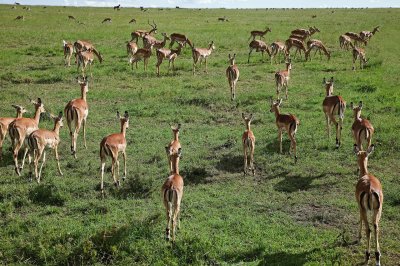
(366, 35)
(174, 147)
(282, 79)
(356, 38)
(111, 146)
(76, 112)
(304, 32)
(249, 144)
(180, 38)
(259, 46)
(298, 37)
(141, 54)
(259, 33)
(279, 48)
(199, 54)
(68, 51)
(172, 192)
(333, 106)
(39, 139)
(81, 46)
(151, 42)
(299, 45)
(362, 129)
(344, 41)
(84, 59)
(318, 46)
(171, 55)
(20, 128)
(5, 123)
(232, 73)
(285, 121)
(369, 197)
(358, 53)
(107, 20)
(141, 33)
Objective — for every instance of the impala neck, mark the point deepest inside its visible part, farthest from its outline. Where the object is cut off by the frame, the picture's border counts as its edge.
(83, 93)
(19, 114)
(277, 112)
(357, 115)
(123, 128)
(37, 115)
(248, 126)
(329, 90)
(363, 167)
(175, 164)
(57, 128)
(176, 136)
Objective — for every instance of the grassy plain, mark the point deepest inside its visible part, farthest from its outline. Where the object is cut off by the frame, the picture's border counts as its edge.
(288, 214)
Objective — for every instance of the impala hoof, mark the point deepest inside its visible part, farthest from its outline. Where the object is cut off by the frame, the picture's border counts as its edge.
(123, 178)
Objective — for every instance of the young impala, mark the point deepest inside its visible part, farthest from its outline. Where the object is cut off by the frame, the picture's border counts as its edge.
(199, 54)
(20, 128)
(85, 58)
(68, 51)
(333, 106)
(288, 122)
(131, 48)
(5, 123)
(259, 46)
(344, 41)
(358, 53)
(259, 33)
(362, 129)
(299, 45)
(174, 147)
(282, 79)
(81, 46)
(356, 38)
(318, 46)
(111, 146)
(151, 42)
(249, 144)
(369, 197)
(141, 54)
(38, 140)
(171, 55)
(232, 73)
(278, 48)
(76, 112)
(172, 192)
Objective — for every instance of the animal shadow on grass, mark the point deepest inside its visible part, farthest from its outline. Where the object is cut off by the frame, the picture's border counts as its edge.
(273, 146)
(196, 175)
(231, 163)
(295, 183)
(133, 187)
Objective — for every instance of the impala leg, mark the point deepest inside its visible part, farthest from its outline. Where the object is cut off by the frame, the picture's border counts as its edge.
(340, 126)
(36, 162)
(360, 224)
(248, 59)
(280, 139)
(169, 219)
(58, 160)
(41, 166)
(1, 146)
(124, 156)
(103, 163)
(31, 162)
(337, 126)
(117, 173)
(245, 157)
(175, 218)
(286, 90)
(328, 126)
(15, 157)
(375, 218)
(205, 60)
(84, 132)
(368, 233)
(293, 144)
(252, 158)
(26, 149)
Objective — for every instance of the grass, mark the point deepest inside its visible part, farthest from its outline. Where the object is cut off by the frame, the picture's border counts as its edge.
(288, 214)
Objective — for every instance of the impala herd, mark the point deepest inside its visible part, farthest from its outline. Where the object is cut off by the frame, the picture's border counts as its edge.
(25, 132)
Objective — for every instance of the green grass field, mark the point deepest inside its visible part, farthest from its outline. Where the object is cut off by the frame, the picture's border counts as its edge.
(287, 214)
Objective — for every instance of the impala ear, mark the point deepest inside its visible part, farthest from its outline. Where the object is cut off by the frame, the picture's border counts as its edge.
(356, 149)
(60, 114)
(39, 101)
(331, 79)
(280, 101)
(126, 115)
(179, 126)
(370, 149)
(360, 104)
(251, 117)
(118, 115)
(229, 56)
(234, 55)
(351, 105)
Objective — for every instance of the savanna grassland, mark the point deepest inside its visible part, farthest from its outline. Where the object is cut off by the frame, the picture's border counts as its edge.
(287, 214)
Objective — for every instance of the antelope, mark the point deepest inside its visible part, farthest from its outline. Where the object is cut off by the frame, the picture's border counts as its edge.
(5, 123)
(298, 37)
(358, 53)
(149, 41)
(20, 128)
(232, 73)
(279, 48)
(107, 20)
(299, 45)
(111, 146)
(76, 112)
(362, 129)
(179, 38)
(356, 38)
(223, 19)
(282, 79)
(318, 45)
(20, 18)
(141, 33)
(85, 58)
(249, 143)
(344, 41)
(71, 17)
(174, 148)
(141, 54)
(259, 33)
(131, 48)
(132, 21)
(199, 54)
(285, 121)
(304, 32)
(369, 197)
(117, 7)
(333, 105)
(259, 46)
(87, 46)
(171, 55)
(39, 139)
(172, 192)
(366, 35)
(68, 50)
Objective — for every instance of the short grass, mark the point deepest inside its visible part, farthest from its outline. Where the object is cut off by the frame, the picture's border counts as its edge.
(288, 214)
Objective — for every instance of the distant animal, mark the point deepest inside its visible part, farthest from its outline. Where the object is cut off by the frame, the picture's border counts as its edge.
(71, 17)
(232, 74)
(132, 21)
(20, 18)
(249, 143)
(358, 53)
(141, 33)
(16, 3)
(199, 54)
(259, 46)
(259, 33)
(313, 16)
(282, 79)
(223, 19)
(117, 7)
(141, 54)
(107, 20)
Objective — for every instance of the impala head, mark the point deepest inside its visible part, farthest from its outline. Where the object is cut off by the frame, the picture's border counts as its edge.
(232, 59)
(84, 83)
(20, 110)
(357, 109)
(289, 64)
(175, 130)
(362, 156)
(211, 45)
(58, 119)
(328, 86)
(275, 104)
(166, 36)
(124, 119)
(247, 119)
(268, 29)
(376, 29)
(38, 105)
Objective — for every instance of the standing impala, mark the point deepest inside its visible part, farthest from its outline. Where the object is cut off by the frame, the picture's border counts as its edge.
(259, 46)
(304, 32)
(174, 147)
(358, 53)
(299, 45)
(172, 193)
(171, 55)
(20, 128)
(141, 54)
(151, 42)
(68, 51)
(249, 144)
(278, 48)
(285, 121)
(362, 129)
(39, 139)
(356, 38)
(344, 41)
(369, 197)
(366, 35)
(111, 146)
(179, 38)
(81, 46)
(232, 73)
(259, 33)
(5, 123)
(199, 54)
(333, 106)
(282, 79)
(318, 46)
(141, 33)
(85, 58)
(76, 112)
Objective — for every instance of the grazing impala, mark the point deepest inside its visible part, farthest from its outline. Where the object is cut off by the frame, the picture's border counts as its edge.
(282, 79)
(171, 55)
(111, 146)
(5, 123)
(179, 38)
(344, 41)
(318, 46)
(356, 38)
(279, 48)
(76, 112)
(366, 35)
(20, 128)
(259, 46)
(151, 42)
(288, 122)
(358, 53)
(333, 106)
(304, 32)
(172, 192)
(84, 59)
(232, 73)
(39, 139)
(68, 51)
(141, 54)
(81, 46)
(369, 197)
(141, 33)
(362, 129)
(299, 45)
(249, 144)
(199, 54)
(259, 33)
(174, 147)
